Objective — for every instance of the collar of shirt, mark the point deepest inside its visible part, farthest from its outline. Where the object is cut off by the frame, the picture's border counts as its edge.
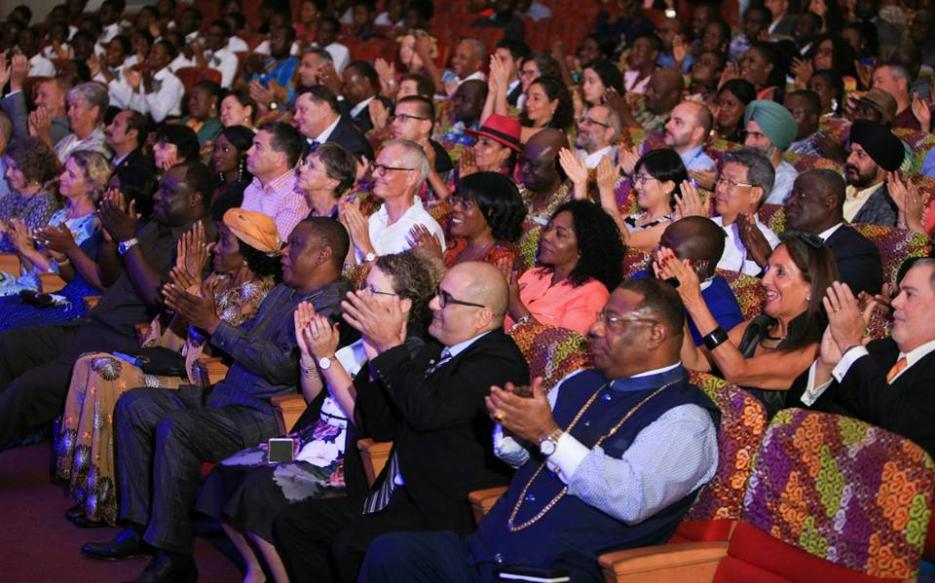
(854, 199)
(323, 136)
(650, 379)
(384, 216)
(691, 155)
(278, 183)
(915, 355)
(512, 86)
(116, 161)
(826, 234)
(462, 346)
(478, 75)
(162, 73)
(360, 106)
(592, 160)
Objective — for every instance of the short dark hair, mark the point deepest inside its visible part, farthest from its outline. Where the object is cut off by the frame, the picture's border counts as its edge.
(184, 138)
(742, 89)
(213, 89)
(653, 39)
(223, 25)
(518, 49)
(599, 244)
(546, 63)
(661, 300)
(424, 86)
(367, 71)
(333, 235)
(426, 106)
(664, 164)
(139, 122)
(319, 94)
(499, 200)
(285, 138)
(199, 178)
(124, 42)
(811, 98)
(340, 165)
(35, 159)
(262, 264)
(170, 48)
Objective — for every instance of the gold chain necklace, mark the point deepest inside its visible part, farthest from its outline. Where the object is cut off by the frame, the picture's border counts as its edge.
(564, 490)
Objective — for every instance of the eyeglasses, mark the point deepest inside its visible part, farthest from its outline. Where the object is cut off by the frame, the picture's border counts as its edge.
(642, 179)
(383, 168)
(461, 201)
(528, 72)
(406, 117)
(731, 182)
(617, 322)
(589, 121)
(445, 298)
(375, 292)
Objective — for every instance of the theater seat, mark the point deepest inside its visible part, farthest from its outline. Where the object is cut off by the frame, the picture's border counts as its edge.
(551, 352)
(748, 290)
(895, 246)
(374, 455)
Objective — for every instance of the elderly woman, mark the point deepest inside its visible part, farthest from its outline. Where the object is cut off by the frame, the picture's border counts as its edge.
(246, 266)
(229, 161)
(238, 109)
(31, 166)
(766, 354)
(487, 214)
(81, 184)
(248, 491)
(87, 104)
(580, 258)
(324, 175)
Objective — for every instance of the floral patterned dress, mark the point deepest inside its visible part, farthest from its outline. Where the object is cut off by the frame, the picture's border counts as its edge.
(85, 448)
(35, 211)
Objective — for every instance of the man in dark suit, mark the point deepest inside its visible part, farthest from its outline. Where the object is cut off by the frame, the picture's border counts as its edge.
(361, 85)
(874, 151)
(815, 206)
(318, 117)
(887, 382)
(432, 406)
(135, 169)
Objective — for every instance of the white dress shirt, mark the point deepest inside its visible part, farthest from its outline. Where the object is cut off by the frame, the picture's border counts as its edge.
(165, 99)
(235, 44)
(40, 66)
(224, 61)
(735, 253)
(591, 161)
(782, 184)
(386, 238)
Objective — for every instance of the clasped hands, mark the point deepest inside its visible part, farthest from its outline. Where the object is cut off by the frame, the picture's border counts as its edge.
(382, 323)
(527, 417)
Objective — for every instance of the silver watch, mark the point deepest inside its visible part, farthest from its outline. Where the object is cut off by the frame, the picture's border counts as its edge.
(125, 246)
(549, 443)
(324, 363)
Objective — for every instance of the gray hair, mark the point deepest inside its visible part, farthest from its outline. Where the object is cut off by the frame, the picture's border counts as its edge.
(760, 171)
(613, 120)
(320, 53)
(94, 95)
(412, 156)
(898, 70)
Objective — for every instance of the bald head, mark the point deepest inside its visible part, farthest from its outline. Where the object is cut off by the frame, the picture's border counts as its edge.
(664, 90)
(485, 285)
(539, 168)
(698, 239)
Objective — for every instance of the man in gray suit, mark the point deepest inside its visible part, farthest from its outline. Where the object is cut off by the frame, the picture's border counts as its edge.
(50, 98)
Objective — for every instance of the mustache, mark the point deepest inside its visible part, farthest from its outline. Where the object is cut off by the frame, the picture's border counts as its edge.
(851, 168)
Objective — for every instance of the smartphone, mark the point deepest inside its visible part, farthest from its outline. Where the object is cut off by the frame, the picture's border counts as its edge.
(137, 361)
(280, 450)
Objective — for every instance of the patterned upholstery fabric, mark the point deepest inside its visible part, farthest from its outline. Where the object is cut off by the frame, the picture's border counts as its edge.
(528, 244)
(743, 421)
(774, 217)
(803, 163)
(750, 294)
(634, 261)
(843, 491)
(551, 352)
(357, 274)
(895, 245)
(919, 144)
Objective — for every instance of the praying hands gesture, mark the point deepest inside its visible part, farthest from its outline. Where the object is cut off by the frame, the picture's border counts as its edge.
(316, 336)
(529, 418)
(689, 204)
(40, 124)
(199, 310)
(193, 251)
(383, 324)
(908, 200)
(357, 225)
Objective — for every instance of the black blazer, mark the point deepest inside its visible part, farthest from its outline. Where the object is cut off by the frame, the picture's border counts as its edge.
(346, 134)
(859, 264)
(439, 425)
(362, 120)
(907, 407)
(137, 173)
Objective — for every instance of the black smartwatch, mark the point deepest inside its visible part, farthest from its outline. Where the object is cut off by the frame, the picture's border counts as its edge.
(715, 338)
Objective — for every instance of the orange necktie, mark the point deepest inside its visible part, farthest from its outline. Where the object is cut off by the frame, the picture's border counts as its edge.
(899, 367)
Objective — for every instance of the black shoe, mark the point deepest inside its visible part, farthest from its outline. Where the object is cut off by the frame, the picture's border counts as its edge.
(74, 512)
(82, 521)
(126, 545)
(169, 568)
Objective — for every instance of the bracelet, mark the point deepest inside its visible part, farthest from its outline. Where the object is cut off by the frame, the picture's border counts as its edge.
(65, 261)
(522, 320)
(715, 338)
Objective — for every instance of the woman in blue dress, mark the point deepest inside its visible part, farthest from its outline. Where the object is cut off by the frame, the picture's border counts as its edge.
(67, 246)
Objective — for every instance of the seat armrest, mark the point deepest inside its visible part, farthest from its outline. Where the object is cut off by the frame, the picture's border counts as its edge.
(374, 455)
(683, 562)
(290, 408)
(483, 500)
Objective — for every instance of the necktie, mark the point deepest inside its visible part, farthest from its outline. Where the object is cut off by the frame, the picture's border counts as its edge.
(443, 359)
(313, 145)
(899, 367)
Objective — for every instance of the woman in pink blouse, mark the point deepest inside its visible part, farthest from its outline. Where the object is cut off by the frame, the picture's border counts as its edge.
(580, 258)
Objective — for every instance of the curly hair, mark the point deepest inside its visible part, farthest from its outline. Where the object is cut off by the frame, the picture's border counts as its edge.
(599, 245)
(96, 170)
(415, 278)
(35, 159)
(498, 200)
(262, 264)
(564, 111)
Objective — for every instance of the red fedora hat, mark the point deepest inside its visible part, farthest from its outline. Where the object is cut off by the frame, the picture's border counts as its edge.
(502, 129)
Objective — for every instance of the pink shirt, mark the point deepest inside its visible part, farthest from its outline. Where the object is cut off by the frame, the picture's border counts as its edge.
(561, 305)
(278, 200)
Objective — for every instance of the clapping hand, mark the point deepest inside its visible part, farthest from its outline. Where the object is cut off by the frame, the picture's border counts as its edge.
(575, 171)
(118, 218)
(58, 239)
(689, 203)
(379, 114)
(192, 251)
(19, 235)
(199, 310)
(421, 238)
(357, 225)
(757, 245)
(316, 336)
(668, 267)
(529, 418)
(845, 319)
(383, 323)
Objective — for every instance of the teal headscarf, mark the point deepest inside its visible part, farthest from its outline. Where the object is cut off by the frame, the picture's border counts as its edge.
(775, 121)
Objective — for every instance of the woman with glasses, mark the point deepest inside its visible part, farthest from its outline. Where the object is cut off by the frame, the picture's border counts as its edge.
(766, 354)
(580, 258)
(323, 176)
(245, 268)
(247, 492)
(486, 221)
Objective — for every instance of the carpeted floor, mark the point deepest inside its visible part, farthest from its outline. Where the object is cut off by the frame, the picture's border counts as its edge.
(37, 544)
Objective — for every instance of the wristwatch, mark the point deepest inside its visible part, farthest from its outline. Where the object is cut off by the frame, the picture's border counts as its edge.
(273, 105)
(548, 443)
(370, 257)
(124, 246)
(324, 363)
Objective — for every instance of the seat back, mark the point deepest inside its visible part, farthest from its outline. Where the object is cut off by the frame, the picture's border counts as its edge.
(191, 76)
(840, 490)
(743, 422)
(895, 245)
(551, 352)
(748, 290)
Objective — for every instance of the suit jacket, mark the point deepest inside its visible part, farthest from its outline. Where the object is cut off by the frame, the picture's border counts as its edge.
(362, 119)
(14, 105)
(346, 134)
(859, 264)
(785, 27)
(137, 173)
(907, 407)
(439, 424)
(879, 209)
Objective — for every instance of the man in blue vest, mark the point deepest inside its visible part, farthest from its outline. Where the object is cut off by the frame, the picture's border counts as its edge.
(610, 459)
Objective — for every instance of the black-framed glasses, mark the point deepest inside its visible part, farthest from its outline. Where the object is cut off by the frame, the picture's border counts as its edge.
(375, 292)
(445, 298)
(406, 117)
(590, 121)
(383, 168)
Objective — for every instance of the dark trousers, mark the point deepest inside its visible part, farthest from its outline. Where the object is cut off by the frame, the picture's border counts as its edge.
(421, 557)
(306, 533)
(35, 370)
(163, 436)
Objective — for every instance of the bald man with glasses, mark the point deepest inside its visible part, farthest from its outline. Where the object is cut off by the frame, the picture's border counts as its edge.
(432, 406)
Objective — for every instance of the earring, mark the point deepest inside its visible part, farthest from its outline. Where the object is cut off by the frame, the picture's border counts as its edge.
(240, 169)
(221, 177)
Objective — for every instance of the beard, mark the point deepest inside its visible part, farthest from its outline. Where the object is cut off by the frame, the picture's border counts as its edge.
(855, 178)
